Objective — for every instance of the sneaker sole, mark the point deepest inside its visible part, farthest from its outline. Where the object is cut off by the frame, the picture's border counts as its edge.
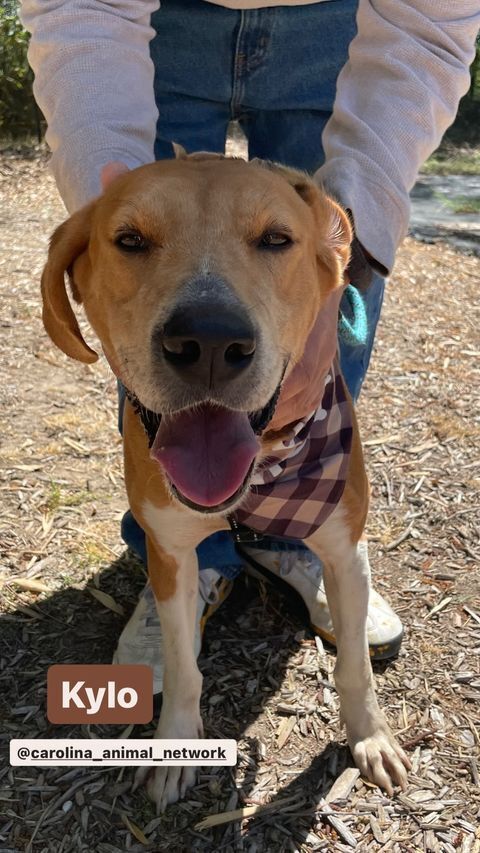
(224, 589)
(378, 651)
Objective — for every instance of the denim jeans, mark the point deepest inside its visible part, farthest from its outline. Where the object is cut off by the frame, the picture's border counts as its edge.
(274, 70)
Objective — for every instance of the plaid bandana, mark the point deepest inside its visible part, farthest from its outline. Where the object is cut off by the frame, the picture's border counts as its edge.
(300, 483)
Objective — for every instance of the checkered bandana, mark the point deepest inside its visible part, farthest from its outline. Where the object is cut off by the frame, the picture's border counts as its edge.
(300, 483)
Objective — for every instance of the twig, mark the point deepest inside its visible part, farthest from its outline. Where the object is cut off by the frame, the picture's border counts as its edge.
(241, 814)
(406, 533)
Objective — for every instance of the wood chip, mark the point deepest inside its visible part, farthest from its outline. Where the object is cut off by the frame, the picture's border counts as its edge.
(284, 731)
(337, 823)
(438, 607)
(30, 584)
(471, 613)
(383, 439)
(377, 831)
(342, 786)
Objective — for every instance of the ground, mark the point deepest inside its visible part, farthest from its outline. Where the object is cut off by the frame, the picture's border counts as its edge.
(67, 587)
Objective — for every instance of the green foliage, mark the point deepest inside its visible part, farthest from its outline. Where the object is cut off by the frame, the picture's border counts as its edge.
(451, 159)
(19, 116)
(475, 72)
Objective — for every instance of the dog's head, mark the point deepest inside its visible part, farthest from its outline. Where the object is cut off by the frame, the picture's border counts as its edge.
(202, 277)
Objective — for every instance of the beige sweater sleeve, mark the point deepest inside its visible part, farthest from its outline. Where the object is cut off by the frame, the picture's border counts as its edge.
(399, 91)
(94, 84)
(396, 96)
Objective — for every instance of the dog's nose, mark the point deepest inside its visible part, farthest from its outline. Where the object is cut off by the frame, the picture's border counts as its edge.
(208, 342)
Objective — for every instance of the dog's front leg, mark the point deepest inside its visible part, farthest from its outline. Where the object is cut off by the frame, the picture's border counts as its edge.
(174, 580)
(347, 583)
(182, 682)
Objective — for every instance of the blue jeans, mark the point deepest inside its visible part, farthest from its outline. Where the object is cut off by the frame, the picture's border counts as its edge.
(274, 70)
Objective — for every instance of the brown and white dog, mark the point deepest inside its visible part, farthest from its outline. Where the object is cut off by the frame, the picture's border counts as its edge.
(202, 278)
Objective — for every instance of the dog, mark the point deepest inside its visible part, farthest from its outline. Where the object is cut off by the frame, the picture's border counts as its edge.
(202, 278)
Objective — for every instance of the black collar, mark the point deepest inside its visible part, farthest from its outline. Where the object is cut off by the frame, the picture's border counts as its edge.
(150, 420)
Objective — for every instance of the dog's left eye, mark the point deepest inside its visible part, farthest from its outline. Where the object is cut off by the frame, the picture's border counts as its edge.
(131, 241)
(274, 240)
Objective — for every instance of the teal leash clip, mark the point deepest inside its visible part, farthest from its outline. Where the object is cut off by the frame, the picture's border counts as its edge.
(353, 325)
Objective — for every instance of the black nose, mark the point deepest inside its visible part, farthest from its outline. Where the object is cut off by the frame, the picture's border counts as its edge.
(207, 342)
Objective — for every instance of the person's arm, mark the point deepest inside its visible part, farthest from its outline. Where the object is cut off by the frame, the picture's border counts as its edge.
(94, 84)
(396, 96)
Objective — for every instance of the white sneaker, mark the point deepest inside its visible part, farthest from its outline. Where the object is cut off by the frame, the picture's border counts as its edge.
(303, 571)
(141, 639)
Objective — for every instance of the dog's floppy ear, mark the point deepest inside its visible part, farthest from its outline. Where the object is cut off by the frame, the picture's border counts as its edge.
(334, 228)
(66, 244)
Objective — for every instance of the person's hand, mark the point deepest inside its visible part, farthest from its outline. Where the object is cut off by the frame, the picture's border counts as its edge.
(303, 388)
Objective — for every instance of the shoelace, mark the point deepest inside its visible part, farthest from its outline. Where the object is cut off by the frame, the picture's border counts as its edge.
(310, 564)
(207, 585)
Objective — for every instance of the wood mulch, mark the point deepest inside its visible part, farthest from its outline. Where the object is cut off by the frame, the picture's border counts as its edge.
(267, 682)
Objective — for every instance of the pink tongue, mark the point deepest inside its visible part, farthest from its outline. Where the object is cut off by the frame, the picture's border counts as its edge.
(206, 452)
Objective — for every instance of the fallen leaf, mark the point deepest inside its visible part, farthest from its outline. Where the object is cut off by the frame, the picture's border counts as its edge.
(107, 600)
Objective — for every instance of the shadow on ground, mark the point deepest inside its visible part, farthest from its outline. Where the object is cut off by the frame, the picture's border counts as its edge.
(248, 645)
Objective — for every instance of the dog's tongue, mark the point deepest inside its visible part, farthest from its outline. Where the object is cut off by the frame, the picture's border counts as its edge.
(206, 452)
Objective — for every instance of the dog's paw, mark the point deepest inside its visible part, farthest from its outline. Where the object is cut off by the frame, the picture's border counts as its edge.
(166, 785)
(381, 759)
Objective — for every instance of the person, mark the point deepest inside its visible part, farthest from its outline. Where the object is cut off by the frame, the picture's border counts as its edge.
(356, 92)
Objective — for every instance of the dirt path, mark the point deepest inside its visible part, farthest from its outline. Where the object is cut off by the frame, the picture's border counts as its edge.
(445, 208)
(62, 498)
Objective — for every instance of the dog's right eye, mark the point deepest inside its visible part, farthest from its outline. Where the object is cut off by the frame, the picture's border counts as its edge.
(131, 241)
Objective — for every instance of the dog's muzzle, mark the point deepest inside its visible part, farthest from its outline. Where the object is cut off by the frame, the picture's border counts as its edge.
(207, 452)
